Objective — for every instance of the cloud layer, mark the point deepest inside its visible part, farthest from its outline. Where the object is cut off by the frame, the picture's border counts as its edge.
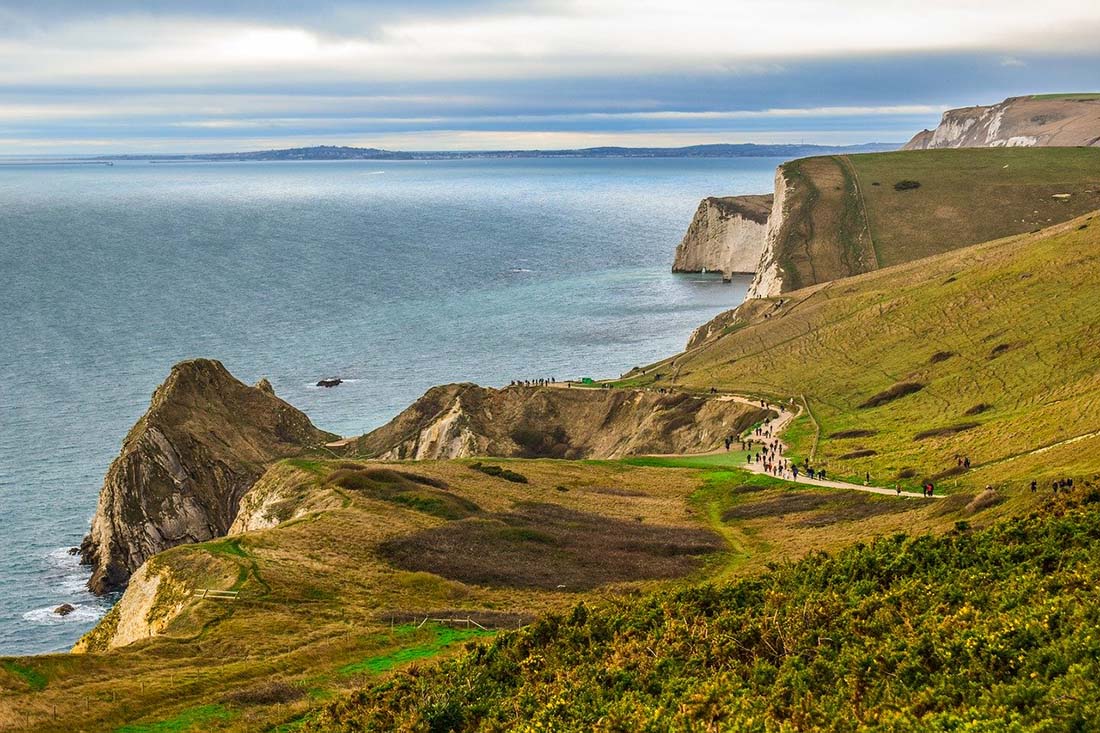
(201, 75)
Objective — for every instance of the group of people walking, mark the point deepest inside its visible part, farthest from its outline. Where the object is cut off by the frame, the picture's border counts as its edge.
(532, 382)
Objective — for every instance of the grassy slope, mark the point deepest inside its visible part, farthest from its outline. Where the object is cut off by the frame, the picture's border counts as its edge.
(978, 631)
(847, 218)
(317, 595)
(1017, 320)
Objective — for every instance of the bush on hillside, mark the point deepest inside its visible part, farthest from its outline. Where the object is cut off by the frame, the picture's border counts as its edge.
(906, 185)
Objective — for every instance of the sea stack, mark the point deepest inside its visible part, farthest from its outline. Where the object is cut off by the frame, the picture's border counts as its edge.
(726, 235)
(184, 466)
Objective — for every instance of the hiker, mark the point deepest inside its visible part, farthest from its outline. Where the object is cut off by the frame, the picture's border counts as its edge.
(966, 463)
(897, 489)
(794, 472)
(821, 474)
(931, 489)
(1034, 486)
(867, 479)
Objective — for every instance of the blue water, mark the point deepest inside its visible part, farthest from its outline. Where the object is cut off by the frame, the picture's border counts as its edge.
(396, 275)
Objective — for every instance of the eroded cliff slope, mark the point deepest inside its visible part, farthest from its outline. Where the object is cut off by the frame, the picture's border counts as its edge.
(205, 439)
(726, 235)
(1063, 120)
(462, 420)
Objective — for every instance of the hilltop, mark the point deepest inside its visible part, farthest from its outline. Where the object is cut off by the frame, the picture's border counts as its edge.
(837, 216)
(988, 351)
(1039, 120)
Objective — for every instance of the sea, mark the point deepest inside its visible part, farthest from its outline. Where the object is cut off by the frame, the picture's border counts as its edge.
(394, 276)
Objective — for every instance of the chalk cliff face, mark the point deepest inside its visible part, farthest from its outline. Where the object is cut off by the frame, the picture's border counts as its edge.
(768, 281)
(461, 420)
(1062, 121)
(183, 468)
(726, 235)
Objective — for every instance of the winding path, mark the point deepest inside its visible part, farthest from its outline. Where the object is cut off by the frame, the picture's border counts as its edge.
(777, 426)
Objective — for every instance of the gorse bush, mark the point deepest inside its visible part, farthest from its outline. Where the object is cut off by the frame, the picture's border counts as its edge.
(992, 630)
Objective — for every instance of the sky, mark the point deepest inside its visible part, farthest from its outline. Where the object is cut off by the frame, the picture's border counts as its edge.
(86, 77)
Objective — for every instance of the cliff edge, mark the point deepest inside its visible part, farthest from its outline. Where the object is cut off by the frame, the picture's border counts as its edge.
(184, 466)
(726, 235)
(1051, 120)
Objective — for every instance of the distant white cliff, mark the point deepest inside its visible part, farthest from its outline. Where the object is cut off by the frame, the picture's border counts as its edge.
(726, 235)
(1057, 120)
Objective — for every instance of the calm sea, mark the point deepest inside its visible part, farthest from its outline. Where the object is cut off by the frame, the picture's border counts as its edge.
(395, 276)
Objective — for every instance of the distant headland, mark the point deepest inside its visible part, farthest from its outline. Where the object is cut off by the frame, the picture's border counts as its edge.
(338, 152)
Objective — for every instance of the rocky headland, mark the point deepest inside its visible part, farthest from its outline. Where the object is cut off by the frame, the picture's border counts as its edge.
(204, 441)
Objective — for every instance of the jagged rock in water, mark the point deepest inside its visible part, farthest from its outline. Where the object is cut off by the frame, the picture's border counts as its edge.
(64, 609)
(183, 468)
(462, 420)
(726, 235)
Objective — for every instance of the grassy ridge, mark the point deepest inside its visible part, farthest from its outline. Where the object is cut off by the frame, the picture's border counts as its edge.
(983, 631)
(845, 216)
(1002, 340)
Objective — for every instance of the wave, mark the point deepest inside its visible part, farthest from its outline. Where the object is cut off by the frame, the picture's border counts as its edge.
(520, 269)
(82, 613)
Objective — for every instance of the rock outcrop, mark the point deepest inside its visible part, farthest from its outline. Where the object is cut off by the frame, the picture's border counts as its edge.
(1067, 120)
(462, 420)
(183, 468)
(726, 235)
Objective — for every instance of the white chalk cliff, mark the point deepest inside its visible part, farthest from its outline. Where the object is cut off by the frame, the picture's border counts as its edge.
(768, 281)
(1042, 121)
(726, 235)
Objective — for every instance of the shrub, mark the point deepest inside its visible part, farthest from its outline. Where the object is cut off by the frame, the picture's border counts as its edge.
(889, 395)
(906, 185)
(500, 472)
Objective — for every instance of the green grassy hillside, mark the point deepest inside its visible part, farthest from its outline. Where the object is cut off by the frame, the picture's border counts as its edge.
(978, 631)
(845, 216)
(333, 599)
(988, 352)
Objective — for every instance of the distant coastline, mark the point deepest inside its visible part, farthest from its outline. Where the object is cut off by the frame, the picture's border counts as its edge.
(333, 152)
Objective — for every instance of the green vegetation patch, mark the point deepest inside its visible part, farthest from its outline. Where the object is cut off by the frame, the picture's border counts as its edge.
(499, 472)
(441, 637)
(34, 679)
(731, 459)
(193, 719)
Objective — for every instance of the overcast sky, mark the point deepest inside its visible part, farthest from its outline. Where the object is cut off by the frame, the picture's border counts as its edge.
(86, 77)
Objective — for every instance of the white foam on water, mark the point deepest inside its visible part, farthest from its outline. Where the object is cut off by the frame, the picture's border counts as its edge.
(82, 614)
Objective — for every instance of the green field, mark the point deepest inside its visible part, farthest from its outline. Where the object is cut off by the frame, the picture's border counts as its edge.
(329, 602)
(845, 216)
